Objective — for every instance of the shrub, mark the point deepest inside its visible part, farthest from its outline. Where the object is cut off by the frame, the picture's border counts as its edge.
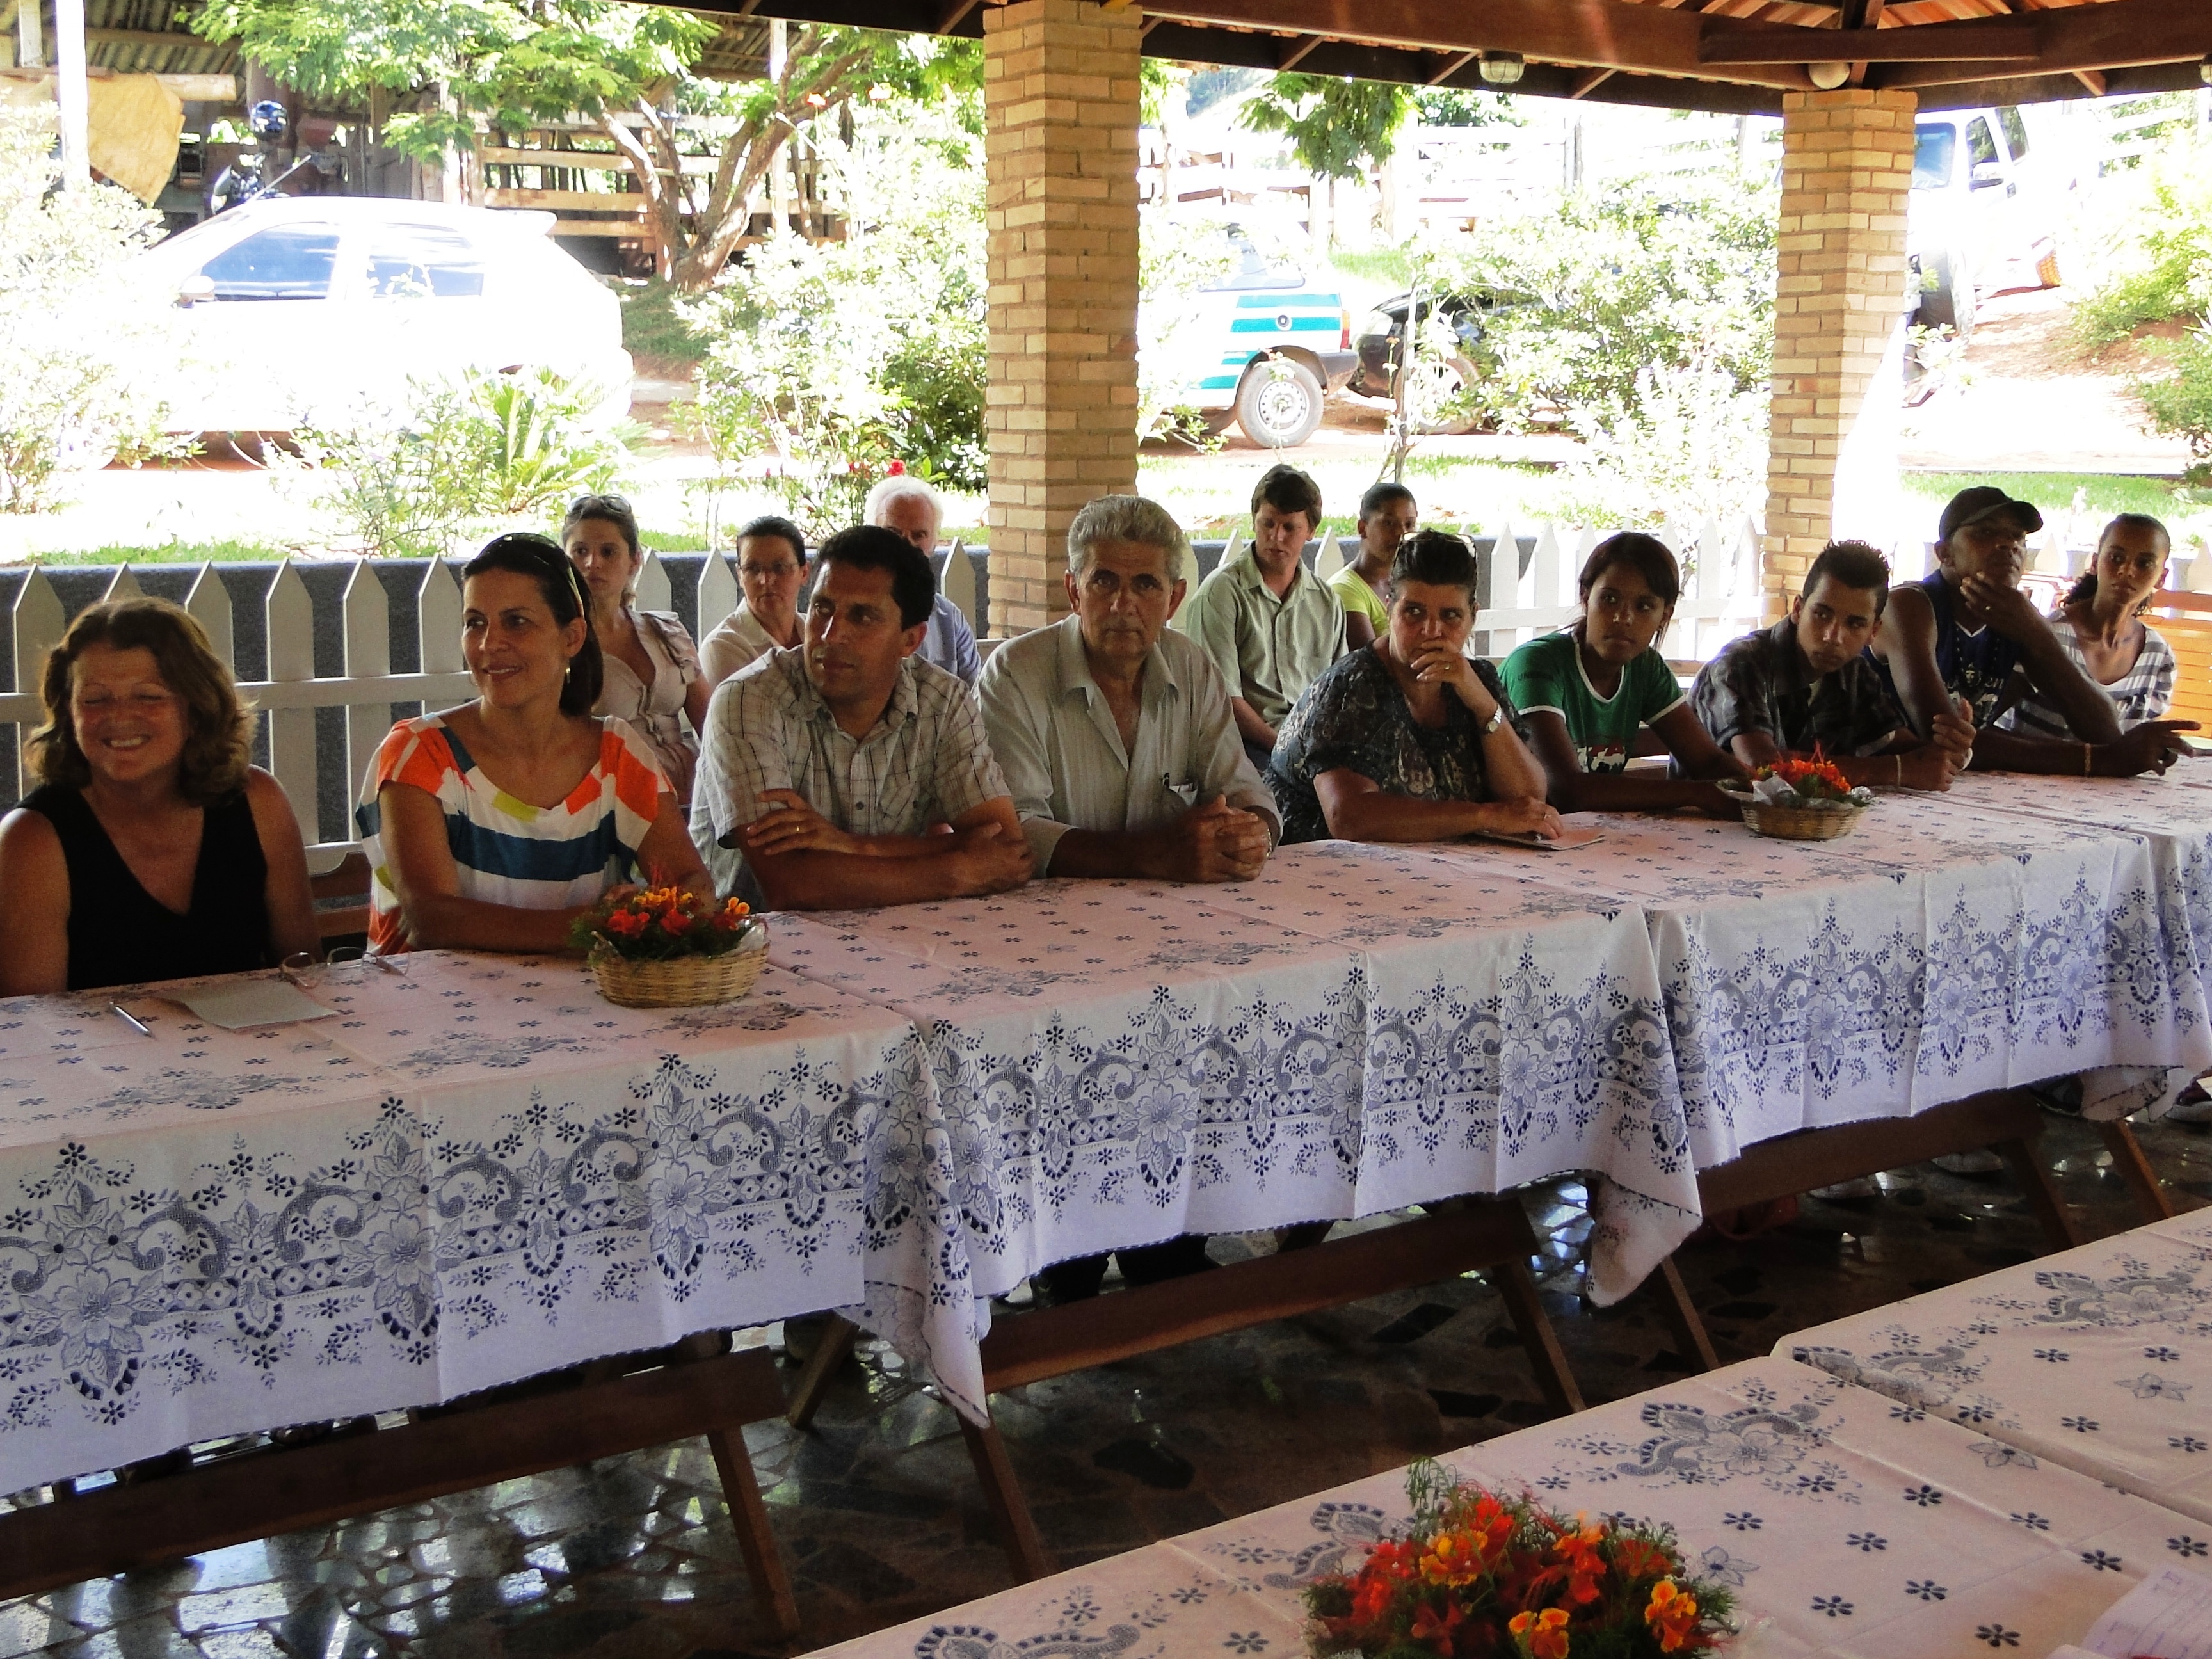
(1658, 273)
(80, 389)
(1692, 445)
(463, 455)
(2181, 403)
(2146, 242)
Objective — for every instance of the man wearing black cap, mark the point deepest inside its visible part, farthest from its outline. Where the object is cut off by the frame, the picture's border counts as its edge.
(1965, 637)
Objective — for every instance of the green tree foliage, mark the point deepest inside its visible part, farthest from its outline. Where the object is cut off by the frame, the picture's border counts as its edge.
(509, 65)
(2148, 246)
(828, 364)
(1659, 273)
(81, 387)
(1459, 106)
(1335, 127)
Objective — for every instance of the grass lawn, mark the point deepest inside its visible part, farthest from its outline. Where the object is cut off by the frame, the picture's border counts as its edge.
(2092, 492)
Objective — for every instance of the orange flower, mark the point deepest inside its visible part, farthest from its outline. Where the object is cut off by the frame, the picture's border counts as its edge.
(1637, 1558)
(1453, 1557)
(1540, 1635)
(628, 923)
(1673, 1616)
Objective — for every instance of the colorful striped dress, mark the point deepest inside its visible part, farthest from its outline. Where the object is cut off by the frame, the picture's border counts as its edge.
(508, 851)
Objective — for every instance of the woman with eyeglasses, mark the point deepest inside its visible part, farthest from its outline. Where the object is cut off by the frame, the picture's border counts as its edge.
(150, 850)
(771, 570)
(651, 667)
(492, 826)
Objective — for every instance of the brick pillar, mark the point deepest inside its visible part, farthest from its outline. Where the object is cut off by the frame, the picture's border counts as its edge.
(1838, 322)
(1059, 149)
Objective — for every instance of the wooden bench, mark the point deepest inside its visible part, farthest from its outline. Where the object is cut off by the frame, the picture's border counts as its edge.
(2007, 1121)
(1491, 1234)
(601, 1410)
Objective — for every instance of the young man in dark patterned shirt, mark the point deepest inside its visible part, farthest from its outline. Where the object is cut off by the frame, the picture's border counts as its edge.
(1806, 682)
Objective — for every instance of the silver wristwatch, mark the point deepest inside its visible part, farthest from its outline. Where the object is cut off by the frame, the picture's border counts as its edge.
(1497, 719)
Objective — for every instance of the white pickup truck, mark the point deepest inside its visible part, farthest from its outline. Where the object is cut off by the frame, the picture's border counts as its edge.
(1985, 207)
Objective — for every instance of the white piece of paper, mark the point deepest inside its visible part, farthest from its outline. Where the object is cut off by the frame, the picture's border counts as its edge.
(236, 1004)
(2168, 1616)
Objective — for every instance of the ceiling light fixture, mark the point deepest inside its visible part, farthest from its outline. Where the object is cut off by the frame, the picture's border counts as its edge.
(1828, 76)
(1502, 68)
(2204, 71)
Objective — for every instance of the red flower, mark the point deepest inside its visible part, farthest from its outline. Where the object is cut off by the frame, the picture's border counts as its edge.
(897, 469)
(1430, 1626)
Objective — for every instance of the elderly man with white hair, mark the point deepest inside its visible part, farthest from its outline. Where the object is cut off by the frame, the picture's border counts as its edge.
(905, 504)
(1116, 734)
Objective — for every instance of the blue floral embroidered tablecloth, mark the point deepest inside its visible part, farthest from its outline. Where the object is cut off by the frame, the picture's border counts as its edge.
(1844, 1521)
(2099, 1358)
(1950, 944)
(1361, 1028)
(468, 1174)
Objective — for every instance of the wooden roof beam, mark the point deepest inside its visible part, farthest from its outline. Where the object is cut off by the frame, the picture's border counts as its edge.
(1297, 54)
(1453, 65)
(1583, 34)
(1990, 42)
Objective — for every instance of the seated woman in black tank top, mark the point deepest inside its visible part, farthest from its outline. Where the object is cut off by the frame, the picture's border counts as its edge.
(150, 848)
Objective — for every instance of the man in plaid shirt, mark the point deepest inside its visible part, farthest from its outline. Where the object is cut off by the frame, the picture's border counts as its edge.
(830, 766)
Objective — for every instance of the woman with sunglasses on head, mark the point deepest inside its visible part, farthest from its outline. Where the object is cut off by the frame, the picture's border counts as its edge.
(491, 826)
(150, 848)
(651, 668)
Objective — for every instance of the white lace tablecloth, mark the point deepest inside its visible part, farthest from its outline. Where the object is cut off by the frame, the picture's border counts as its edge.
(2099, 1358)
(471, 1174)
(1845, 1523)
(1949, 945)
(1361, 1028)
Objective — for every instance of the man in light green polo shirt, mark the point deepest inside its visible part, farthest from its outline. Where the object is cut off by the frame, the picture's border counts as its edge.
(1266, 623)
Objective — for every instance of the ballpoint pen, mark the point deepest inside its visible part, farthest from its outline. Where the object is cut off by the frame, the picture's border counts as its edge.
(129, 1020)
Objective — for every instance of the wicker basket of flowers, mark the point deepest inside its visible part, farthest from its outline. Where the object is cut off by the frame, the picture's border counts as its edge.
(662, 947)
(1800, 800)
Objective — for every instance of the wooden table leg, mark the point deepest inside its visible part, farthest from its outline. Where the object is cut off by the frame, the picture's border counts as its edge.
(1010, 1510)
(748, 1516)
(1545, 1356)
(2035, 1185)
(2128, 1158)
(1690, 1338)
(831, 1349)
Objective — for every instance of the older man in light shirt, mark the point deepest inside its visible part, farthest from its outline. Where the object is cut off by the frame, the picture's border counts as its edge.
(906, 505)
(1122, 757)
(1116, 734)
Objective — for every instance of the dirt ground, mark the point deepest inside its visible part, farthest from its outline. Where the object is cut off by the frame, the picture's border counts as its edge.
(2031, 402)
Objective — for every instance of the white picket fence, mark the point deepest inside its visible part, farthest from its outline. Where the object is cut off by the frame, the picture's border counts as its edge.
(366, 688)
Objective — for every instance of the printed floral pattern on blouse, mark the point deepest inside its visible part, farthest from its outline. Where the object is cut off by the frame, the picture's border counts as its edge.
(1355, 717)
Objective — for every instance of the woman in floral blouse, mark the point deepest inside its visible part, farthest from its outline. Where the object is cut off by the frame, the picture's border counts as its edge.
(1409, 738)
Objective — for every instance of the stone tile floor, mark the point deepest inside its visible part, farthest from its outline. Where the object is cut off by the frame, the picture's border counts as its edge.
(879, 1517)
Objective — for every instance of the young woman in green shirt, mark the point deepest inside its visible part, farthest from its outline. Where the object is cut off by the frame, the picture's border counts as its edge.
(1388, 515)
(1587, 691)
